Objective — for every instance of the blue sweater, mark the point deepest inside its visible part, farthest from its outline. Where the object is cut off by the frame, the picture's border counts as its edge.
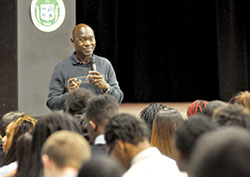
(71, 67)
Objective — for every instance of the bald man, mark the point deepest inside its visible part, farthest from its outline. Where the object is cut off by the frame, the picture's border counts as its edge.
(82, 69)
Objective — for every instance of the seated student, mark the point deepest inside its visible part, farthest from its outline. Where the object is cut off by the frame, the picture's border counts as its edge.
(186, 136)
(241, 98)
(164, 126)
(127, 140)
(149, 112)
(5, 120)
(99, 111)
(212, 106)
(63, 153)
(196, 107)
(232, 114)
(100, 166)
(14, 130)
(222, 153)
(46, 125)
(76, 103)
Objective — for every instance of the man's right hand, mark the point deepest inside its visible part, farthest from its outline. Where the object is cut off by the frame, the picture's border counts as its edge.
(73, 84)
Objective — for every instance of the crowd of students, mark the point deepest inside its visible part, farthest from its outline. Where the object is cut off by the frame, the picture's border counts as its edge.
(92, 139)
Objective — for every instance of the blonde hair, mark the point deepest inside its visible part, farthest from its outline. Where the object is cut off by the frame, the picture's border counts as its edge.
(67, 149)
(242, 98)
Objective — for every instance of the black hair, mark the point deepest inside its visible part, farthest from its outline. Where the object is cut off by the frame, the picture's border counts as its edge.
(100, 165)
(225, 152)
(101, 109)
(189, 131)
(76, 100)
(148, 113)
(232, 114)
(211, 106)
(126, 128)
(46, 125)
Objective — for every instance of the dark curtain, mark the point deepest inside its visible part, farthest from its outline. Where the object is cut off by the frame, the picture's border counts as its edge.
(170, 50)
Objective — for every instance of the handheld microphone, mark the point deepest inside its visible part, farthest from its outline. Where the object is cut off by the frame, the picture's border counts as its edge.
(93, 64)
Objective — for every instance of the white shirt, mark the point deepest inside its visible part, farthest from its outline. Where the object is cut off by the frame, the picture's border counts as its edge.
(100, 139)
(151, 163)
(4, 170)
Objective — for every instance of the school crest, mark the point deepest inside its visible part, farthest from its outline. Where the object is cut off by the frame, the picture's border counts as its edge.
(47, 15)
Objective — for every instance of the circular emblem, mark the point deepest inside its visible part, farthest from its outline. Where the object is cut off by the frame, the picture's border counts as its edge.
(47, 15)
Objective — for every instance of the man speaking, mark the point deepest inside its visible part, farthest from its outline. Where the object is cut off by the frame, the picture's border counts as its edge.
(82, 69)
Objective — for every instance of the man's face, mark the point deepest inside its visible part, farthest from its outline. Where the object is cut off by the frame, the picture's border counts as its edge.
(84, 42)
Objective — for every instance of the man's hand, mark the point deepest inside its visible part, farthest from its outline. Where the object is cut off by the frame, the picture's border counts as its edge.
(97, 79)
(73, 84)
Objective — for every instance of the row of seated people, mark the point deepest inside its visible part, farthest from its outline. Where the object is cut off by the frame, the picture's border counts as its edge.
(94, 139)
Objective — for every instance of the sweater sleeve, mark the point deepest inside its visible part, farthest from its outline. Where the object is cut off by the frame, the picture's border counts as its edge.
(57, 90)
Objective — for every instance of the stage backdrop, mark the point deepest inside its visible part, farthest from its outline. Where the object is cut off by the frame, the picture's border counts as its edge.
(172, 50)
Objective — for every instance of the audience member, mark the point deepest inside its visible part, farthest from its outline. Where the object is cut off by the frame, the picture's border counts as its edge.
(22, 153)
(99, 111)
(149, 112)
(14, 130)
(241, 98)
(164, 126)
(186, 136)
(100, 166)
(127, 140)
(46, 125)
(5, 120)
(76, 103)
(196, 107)
(232, 115)
(211, 106)
(63, 153)
(222, 153)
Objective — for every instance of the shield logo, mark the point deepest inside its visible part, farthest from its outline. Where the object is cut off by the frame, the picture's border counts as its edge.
(47, 12)
(47, 15)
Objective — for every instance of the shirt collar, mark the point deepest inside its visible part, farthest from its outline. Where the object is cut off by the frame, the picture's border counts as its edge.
(100, 139)
(75, 61)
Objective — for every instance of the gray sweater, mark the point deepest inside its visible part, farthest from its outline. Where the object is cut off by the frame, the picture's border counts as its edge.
(71, 67)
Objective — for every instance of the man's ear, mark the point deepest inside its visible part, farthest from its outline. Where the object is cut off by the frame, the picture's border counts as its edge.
(120, 144)
(72, 42)
(93, 125)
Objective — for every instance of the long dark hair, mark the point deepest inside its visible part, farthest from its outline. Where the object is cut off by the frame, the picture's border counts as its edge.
(47, 125)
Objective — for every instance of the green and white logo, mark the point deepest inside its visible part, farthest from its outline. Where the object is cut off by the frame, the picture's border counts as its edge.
(47, 15)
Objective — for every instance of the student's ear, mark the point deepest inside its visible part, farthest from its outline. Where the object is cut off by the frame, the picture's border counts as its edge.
(120, 144)
(46, 161)
(93, 125)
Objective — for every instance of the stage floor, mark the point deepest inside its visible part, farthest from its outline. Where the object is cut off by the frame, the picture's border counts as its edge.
(135, 108)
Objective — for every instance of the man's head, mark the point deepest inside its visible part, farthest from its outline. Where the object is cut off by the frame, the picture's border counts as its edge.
(100, 110)
(64, 150)
(126, 136)
(83, 39)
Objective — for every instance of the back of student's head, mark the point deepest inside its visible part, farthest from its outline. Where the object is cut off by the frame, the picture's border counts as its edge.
(222, 153)
(149, 112)
(66, 149)
(100, 166)
(232, 115)
(126, 128)
(23, 124)
(242, 98)
(101, 109)
(48, 124)
(187, 134)
(196, 107)
(164, 126)
(212, 106)
(76, 100)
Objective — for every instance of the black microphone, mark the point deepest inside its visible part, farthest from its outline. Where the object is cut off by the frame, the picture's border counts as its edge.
(93, 64)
